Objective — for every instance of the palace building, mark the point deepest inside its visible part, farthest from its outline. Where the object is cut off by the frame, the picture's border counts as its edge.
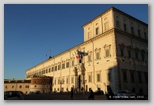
(114, 55)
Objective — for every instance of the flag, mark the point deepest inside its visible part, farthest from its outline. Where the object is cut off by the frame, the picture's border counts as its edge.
(77, 56)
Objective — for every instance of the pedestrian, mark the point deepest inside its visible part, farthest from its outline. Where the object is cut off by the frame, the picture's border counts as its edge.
(91, 94)
(72, 91)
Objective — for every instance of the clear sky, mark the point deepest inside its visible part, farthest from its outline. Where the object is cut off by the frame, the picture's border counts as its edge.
(32, 31)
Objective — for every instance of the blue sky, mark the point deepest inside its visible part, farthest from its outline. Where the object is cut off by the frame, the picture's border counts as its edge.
(32, 31)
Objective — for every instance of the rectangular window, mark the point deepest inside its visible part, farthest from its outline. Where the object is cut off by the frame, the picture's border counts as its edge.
(143, 55)
(67, 78)
(146, 77)
(97, 55)
(129, 53)
(63, 66)
(107, 53)
(124, 74)
(139, 33)
(136, 55)
(67, 64)
(117, 24)
(59, 66)
(122, 51)
(90, 77)
(132, 30)
(139, 77)
(97, 31)
(125, 27)
(132, 76)
(52, 68)
(106, 26)
(145, 35)
(55, 68)
(98, 77)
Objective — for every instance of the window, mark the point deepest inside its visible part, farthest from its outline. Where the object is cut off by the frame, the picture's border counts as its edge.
(46, 70)
(107, 50)
(129, 53)
(72, 79)
(27, 86)
(67, 64)
(136, 55)
(49, 69)
(97, 31)
(124, 74)
(107, 53)
(132, 76)
(145, 35)
(97, 55)
(55, 68)
(98, 77)
(67, 79)
(139, 33)
(59, 66)
(89, 77)
(139, 77)
(125, 27)
(146, 77)
(97, 52)
(132, 30)
(63, 66)
(52, 68)
(143, 55)
(106, 26)
(121, 51)
(117, 24)
(89, 35)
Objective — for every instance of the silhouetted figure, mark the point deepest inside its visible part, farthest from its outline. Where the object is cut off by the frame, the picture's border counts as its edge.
(91, 94)
(72, 92)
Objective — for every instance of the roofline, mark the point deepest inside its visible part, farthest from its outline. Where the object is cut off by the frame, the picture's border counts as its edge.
(92, 39)
(112, 8)
(117, 10)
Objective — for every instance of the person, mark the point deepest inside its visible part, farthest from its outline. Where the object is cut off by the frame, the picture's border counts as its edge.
(72, 91)
(91, 94)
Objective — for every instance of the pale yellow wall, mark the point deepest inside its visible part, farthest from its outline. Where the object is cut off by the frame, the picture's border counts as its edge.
(100, 23)
(24, 89)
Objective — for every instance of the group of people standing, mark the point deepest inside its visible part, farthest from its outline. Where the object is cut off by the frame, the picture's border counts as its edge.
(90, 97)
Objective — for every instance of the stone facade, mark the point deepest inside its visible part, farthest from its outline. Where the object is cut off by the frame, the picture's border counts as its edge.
(117, 47)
